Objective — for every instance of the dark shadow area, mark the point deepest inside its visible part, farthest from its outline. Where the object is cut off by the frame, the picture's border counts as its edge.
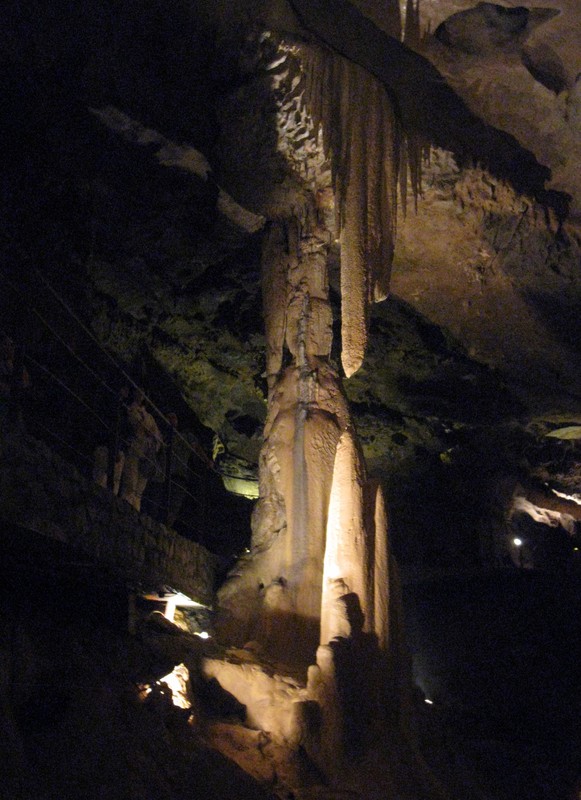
(357, 662)
(450, 393)
(119, 236)
(498, 656)
(503, 26)
(561, 316)
(75, 720)
(433, 371)
(217, 702)
(151, 60)
(546, 67)
(434, 518)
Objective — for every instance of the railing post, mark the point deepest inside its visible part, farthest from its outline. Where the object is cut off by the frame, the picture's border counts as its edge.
(113, 449)
(16, 383)
(167, 476)
(204, 502)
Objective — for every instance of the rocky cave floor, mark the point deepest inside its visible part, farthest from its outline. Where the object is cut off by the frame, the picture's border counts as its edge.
(85, 717)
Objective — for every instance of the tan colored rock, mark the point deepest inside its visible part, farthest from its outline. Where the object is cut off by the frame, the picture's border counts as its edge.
(275, 595)
(270, 698)
(361, 139)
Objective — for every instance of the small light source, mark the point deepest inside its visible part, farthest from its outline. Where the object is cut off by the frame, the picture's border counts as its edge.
(170, 609)
(203, 635)
(428, 701)
(517, 542)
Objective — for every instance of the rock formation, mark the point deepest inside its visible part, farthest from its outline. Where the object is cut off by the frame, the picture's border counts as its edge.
(308, 415)
(316, 584)
(361, 139)
(171, 163)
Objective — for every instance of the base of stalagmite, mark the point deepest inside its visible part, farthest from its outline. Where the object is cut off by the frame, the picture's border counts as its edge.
(331, 614)
(318, 738)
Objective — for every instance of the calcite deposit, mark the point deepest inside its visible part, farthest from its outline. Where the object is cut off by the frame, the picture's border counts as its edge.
(361, 139)
(314, 588)
(210, 186)
(282, 579)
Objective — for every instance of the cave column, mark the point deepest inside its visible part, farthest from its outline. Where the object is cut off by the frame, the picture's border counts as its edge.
(306, 415)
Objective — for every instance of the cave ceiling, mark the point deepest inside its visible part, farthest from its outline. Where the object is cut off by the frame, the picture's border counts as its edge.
(150, 145)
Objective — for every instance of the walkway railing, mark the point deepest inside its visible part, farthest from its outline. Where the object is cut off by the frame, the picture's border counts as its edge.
(71, 404)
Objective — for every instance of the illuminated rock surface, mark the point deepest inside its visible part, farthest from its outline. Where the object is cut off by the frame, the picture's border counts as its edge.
(471, 361)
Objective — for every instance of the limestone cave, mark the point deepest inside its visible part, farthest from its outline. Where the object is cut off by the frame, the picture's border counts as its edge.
(290, 400)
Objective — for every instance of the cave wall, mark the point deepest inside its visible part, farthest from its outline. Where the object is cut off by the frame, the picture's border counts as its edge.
(40, 491)
(480, 329)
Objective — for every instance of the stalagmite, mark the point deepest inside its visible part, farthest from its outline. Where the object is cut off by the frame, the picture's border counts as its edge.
(315, 586)
(381, 577)
(277, 590)
(347, 557)
(358, 622)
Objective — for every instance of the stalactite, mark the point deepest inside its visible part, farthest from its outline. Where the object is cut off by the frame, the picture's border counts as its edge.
(403, 177)
(414, 150)
(361, 139)
(411, 162)
(355, 277)
(416, 144)
(381, 138)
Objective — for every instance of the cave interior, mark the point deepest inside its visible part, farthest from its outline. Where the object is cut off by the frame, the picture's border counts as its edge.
(340, 240)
